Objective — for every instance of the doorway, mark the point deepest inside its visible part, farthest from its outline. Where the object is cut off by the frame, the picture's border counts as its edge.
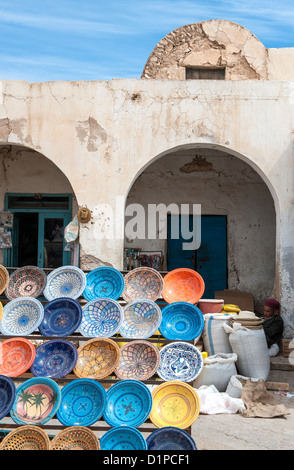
(210, 259)
(37, 234)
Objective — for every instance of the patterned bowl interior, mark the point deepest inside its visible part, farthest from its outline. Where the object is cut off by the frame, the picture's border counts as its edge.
(29, 281)
(104, 282)
(143, 283)
(17, 356)
(55, 359)
(101, 318)
(181, 321)
(123, 438)
(7, 395)
(180, 361)
(97, 358)
(141, 319)
(62, 317)
(21, 316)
(139, 360)
(170, 438)
(4, 278)
(183, 285)
(67, 281)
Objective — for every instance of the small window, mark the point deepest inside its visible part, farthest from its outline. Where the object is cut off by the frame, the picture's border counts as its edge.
(205, 73)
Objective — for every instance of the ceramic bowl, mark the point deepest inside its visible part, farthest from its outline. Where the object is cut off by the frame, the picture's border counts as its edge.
(16, 356)
(183, 285)
(66, 281)
(82, 403)
(141, 319)
(37, 401)
(21, 316)
(101, 318)
(55, 359)
(29, 281)
(97, 358)
(62, 317)
(210, 305)
(104, 282)
(175, 403)
(128, 403)
(181, 321)
(170, 438)
(7, 395)
(26, 437)
(4, 278)
(139, 360)
(123, 438)
(142, 283)
(75, 438)
(180, 361)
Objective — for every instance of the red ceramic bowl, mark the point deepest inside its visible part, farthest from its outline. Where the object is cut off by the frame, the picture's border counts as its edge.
(183, 285)
(16, 356)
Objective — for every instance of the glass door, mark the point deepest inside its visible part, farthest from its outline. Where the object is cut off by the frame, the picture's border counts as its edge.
(51, 252)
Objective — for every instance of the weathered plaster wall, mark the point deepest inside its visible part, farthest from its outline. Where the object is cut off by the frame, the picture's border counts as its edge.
(223, 185)
(102, 135)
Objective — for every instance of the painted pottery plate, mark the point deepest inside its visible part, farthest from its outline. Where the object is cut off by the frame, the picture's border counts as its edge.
(141, 319)
(66, 281)
(55, 359)
(82, 403)
(16, 356)
(139, 360)
(97, 358)
(183, 285)
(181, 321)
(180, 361)
(128, 403)
(123, 438)
(4, 279)
(7, 395)
(101, 318)
(21, 316)
(176, 404)
(170, 438)
(143, 283)
(37, 401)
(26, 437)
(62, 317)
(29, 281)
(104, 282)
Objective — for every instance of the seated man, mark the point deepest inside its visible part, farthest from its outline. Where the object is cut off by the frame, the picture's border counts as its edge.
(273, 326)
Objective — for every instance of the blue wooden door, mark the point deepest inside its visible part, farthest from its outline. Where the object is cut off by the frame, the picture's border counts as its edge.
(209, 260)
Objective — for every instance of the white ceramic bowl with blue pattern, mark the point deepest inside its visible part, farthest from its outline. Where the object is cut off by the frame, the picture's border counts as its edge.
(66, 281)
(21, 316)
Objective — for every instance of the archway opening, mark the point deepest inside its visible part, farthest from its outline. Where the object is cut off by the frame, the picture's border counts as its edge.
(238, 220)
(41, 201)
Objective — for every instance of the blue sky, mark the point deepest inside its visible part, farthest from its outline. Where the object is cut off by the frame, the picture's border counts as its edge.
(100, 40)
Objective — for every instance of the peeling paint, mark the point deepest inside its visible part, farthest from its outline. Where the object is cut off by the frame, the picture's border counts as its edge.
(90, 132)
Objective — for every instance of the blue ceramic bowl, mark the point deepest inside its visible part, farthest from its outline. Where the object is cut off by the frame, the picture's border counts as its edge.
(180, 361)
(123, 438)
(21, 316)
(181, 321)
(55, 359)
(170, 438)
(128, 402)
(62, 317)
(141, 319)
(101, 318)
(36, 402)
(82, 403)
(7, 395)
(66, 281)
(104, 282)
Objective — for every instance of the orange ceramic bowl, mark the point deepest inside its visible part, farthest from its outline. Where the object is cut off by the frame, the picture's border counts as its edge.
(16, 356)
(183, 285)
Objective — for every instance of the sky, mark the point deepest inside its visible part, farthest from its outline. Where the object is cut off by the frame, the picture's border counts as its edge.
(85, 40)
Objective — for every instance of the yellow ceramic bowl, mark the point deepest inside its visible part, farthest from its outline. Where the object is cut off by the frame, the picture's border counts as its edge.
(175, 403)
(1, 310)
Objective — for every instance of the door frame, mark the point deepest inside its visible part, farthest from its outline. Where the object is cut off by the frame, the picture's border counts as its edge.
(55, 213)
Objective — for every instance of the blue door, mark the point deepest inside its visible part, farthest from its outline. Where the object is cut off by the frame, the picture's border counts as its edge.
(209, 260)
(37, 234)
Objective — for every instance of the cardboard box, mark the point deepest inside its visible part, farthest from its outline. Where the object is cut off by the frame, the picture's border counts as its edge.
(244, 300)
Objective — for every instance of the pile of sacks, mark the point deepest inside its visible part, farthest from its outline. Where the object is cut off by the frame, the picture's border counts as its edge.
(237, 357)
